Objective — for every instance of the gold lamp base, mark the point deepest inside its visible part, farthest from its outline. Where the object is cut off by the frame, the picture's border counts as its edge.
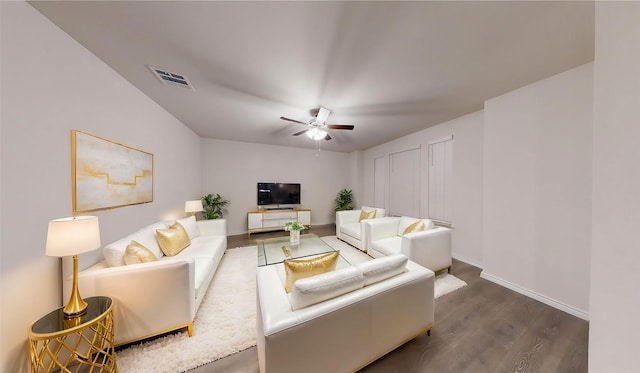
(76, 306)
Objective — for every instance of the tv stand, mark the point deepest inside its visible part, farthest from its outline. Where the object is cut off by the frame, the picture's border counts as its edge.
(274, 220)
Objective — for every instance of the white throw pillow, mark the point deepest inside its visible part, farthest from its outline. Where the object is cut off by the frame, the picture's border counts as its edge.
(147, 238)
(191, 226)
(382, 268)
(114, 252)
(405, 222)
(312, 290)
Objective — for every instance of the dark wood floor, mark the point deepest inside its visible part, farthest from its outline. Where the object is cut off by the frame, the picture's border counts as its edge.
(482, 327)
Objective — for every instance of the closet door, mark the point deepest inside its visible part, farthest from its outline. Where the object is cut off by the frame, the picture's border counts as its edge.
(440, 178)
(404, 183)
(379, 185)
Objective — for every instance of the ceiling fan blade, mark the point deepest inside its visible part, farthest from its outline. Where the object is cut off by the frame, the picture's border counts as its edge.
(323, 114)
(340, 126)
(300, 133)
(293, 120)
(327, 137)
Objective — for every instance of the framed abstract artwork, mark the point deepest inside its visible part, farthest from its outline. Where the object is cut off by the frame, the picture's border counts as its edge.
(107, 174)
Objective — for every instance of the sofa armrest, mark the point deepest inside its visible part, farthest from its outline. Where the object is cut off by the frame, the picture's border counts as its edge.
(430, 248)
(138, 289)
(214, 227)
(345, 217)
(382, 228)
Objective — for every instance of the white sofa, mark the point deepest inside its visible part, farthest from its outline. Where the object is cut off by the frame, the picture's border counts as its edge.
(350, 229)
(160, 296)
(342, 320)
(431, 248)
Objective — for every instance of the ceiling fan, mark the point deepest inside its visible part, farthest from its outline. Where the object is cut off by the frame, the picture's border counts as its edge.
(317, 127)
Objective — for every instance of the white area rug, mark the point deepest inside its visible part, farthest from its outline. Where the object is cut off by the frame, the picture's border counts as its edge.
(226, 320)
(225, 323)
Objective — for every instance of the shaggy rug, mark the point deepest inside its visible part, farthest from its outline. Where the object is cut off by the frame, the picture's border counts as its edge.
(225, 323)
(226, 320)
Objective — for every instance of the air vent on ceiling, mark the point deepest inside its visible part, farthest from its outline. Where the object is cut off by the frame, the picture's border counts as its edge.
(169, 78)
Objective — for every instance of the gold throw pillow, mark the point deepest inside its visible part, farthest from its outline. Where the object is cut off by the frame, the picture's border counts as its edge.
(297, 269)
(415, 227)
(173, 240)
(136, 253)
(367, 215)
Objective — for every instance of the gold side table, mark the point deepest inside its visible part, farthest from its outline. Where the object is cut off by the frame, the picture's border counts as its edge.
(82, 344)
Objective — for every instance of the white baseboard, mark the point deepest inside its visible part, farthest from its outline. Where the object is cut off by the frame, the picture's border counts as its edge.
(466, 260)
(539, 297)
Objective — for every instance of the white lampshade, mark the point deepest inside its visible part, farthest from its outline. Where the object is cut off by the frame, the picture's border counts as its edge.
(316, 134)
(193, 206)
(72, 236)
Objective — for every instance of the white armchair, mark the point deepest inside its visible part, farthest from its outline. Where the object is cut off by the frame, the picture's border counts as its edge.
(350, 229)
(430, 247)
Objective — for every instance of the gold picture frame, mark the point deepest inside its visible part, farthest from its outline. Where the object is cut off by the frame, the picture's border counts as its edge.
(107, 174)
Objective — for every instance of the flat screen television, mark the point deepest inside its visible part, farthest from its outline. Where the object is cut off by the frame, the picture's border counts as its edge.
(278, 194)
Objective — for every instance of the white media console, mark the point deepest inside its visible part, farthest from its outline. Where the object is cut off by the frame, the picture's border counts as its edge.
(273, 220)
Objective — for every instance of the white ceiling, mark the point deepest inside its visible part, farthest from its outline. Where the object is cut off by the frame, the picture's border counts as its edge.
(389, 68)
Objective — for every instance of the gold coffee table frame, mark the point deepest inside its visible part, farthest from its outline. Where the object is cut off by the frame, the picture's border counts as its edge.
(82, 344)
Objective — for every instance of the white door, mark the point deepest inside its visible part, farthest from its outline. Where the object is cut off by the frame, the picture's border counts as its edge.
(404, 183)
(379, 178)
(440, 177)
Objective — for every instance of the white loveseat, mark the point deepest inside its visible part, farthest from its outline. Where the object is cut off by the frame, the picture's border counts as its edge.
(159, 296)
(431, 247)
(342, 320)
(350, 229)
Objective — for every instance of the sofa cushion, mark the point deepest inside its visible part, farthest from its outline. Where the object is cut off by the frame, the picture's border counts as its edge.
(382, 268)
(296, 269)
(114, 252)
(387, 246)
(147, 237)
(191, 226)
(202, 247)
(367, 214)
(312, 290)
(173, 239)
(135, 253)
(204, 267)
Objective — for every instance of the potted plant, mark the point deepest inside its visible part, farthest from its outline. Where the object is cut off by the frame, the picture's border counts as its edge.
(344, 200)
(213, 206)
(294, 228)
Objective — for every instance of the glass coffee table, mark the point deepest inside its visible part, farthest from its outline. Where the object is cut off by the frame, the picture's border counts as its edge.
(276, 250)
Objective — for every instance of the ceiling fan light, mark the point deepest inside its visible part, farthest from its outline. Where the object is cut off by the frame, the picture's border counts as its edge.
(316, 134)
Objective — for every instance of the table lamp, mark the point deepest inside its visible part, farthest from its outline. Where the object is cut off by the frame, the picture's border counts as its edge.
(193, 206)
(70, 237)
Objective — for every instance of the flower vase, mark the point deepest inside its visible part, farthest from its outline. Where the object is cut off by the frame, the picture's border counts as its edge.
(294, 237)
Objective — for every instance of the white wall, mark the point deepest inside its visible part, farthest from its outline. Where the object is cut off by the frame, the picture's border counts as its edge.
(233, 170)
(537, 189)
(615, 259)
(50, 85)
(467, 178)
